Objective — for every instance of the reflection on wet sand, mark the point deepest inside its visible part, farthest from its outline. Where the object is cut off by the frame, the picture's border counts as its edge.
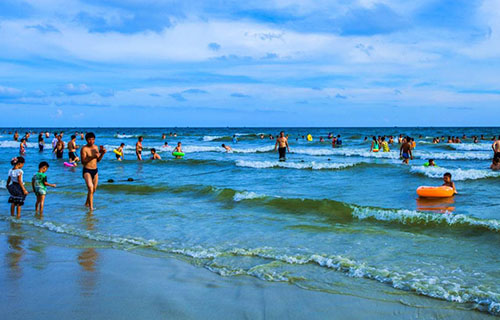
(87, 259)
(14, 256)
(441, 205)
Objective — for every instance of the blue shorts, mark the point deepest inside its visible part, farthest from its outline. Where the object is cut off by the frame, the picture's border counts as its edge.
(406, 155)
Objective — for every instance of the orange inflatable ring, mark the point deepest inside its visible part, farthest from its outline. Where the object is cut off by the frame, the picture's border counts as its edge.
(435, 192)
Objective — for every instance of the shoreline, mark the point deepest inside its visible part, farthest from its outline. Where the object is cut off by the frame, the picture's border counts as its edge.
(48, 281)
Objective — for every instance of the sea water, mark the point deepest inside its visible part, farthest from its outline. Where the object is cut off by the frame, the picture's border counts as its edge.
(341, 220)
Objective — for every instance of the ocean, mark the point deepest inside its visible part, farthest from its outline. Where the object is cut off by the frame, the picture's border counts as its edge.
(338, 220)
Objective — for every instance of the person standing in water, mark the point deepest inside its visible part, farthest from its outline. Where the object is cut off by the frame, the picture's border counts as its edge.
(73, 158)
(282, 143)
(496, 148)
(90, 156)
(405, 151)
(138, 148)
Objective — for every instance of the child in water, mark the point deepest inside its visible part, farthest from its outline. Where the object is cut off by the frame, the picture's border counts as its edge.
(119, 152)
(154, 155)
(15, 186)
(430, 163)
(39, 184)
(178, 149)
(227, 148)
(448, 182)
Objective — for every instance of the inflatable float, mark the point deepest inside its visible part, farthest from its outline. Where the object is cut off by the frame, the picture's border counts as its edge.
(435, 192)
(71, 165)
(178, 154)
(118, 153)
(309, 137)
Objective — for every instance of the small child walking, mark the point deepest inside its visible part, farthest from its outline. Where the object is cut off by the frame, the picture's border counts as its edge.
(15, 186)
(39, 184)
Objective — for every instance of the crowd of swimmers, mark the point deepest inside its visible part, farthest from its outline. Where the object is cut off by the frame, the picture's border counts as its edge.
(91, 154)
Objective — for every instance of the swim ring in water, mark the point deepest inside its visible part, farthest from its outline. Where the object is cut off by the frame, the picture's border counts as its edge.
(435, 192)
(178, 154)
(118, 153)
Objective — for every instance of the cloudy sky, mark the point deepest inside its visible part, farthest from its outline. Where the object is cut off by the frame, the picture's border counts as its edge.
(249, 63)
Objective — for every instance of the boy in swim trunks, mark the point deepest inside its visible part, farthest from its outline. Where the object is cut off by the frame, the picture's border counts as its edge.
(448, 182)
(90, 156)
(73, 158)
(39, 184)
(405, 151)
(138, 148)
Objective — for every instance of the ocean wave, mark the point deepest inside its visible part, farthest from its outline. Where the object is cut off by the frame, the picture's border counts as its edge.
(212, 138)
(295, 165)
(457, 174)
(482, 298)
(337, 210)
(471, 146)
(16, 144)
(453, 155)
(392, 154)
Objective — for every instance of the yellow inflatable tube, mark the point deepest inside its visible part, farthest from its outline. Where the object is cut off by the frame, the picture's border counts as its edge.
(118, 153)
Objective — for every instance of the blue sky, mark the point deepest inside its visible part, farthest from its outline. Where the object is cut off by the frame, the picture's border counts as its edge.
(249, 63)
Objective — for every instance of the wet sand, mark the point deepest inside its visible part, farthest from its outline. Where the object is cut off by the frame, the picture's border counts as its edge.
(41, 281)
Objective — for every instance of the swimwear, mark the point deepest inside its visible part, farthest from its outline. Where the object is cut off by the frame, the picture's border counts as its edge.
(496, 155)
(59, 154)
(282, 152)
(406, 155)
(72, 155)
(117, 156)
(92, 172)
(39, 180)
(40, 146)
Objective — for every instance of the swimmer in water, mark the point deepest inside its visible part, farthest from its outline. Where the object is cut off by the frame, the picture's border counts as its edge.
(178, 149)
(495, 166)
(430, 163)
(228, 148)
(154, 155)
(448, 183)
(138, 148)
(119, 156)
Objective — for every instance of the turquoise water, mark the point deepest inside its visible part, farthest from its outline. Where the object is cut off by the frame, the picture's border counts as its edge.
(322, 220)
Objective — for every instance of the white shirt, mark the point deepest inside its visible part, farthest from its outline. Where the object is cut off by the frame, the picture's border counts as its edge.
(14, 174)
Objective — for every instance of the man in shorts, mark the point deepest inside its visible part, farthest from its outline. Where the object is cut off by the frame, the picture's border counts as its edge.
(282, 143)
(405, 151)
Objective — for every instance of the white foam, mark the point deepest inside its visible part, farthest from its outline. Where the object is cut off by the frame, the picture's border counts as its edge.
(211, 138)
(457, 174)
(411, 216)
(471, 146)
(313, 165)
(447, 155)
(246, 195)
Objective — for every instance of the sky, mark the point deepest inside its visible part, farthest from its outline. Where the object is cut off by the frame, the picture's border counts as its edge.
(75, 63)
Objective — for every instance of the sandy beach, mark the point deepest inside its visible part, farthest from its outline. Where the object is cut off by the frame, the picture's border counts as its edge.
(43, 281)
